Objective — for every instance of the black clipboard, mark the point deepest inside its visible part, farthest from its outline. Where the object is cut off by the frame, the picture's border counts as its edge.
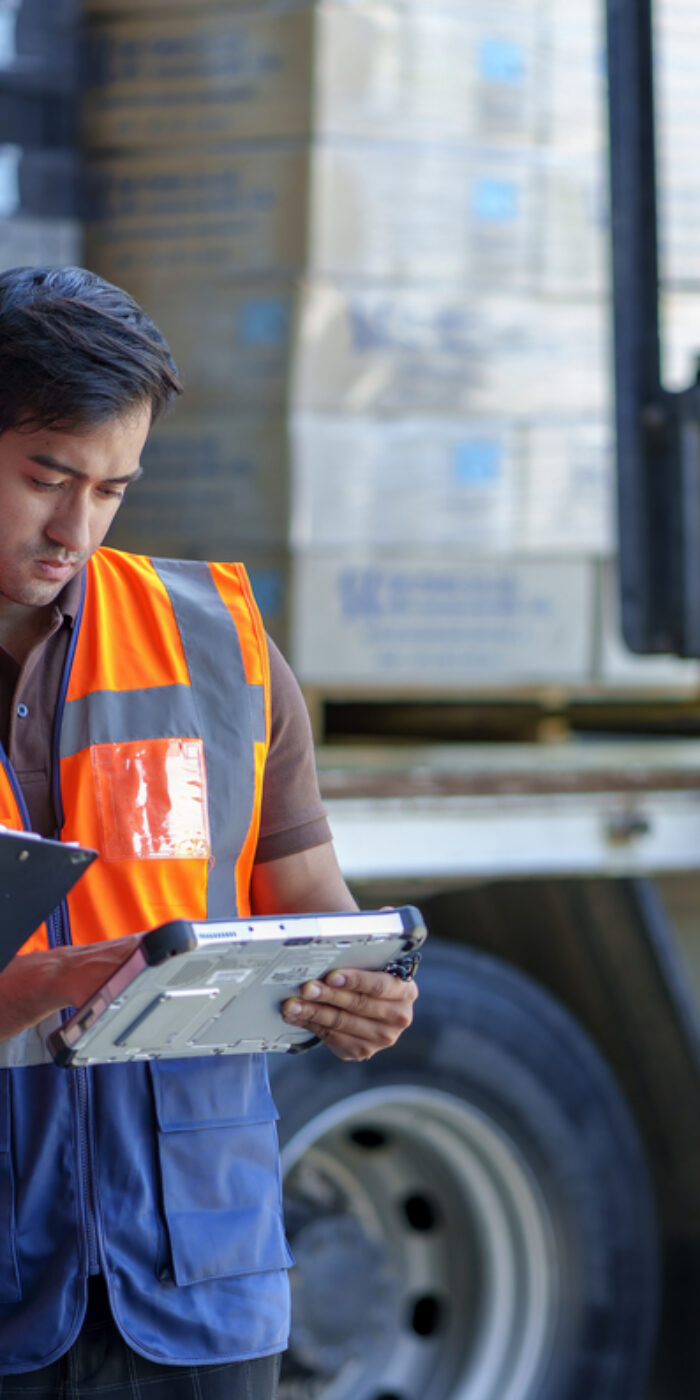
(35, 875)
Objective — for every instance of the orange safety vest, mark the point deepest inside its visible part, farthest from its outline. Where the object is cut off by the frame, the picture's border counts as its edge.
(163, 1174)
(161, 740)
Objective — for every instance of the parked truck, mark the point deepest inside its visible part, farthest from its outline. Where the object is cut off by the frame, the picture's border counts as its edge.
(385, 286)
(507, 1207)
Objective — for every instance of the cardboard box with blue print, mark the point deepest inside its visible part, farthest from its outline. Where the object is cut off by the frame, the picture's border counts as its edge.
(487, 486)
(396, 348)
(404, 212)
(369, 70)
(206, 76)
(574, 225)
(567, 500)
(490, 486)
(211, 479)
(404, 483)
(229, 212)
(390, 621)
(373, 349)
(575, 65)
(232, 340)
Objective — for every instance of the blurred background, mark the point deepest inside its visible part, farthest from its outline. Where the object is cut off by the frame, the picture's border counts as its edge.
(376, 234)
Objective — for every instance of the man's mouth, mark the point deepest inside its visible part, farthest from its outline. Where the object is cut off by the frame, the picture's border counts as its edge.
(55, 568)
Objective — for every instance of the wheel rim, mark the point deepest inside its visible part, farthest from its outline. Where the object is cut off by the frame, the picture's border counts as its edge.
(426, 1264)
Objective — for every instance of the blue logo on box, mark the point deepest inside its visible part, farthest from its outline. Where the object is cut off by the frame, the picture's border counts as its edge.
(477, 462)
(268, 590)
(495, 201)
(501, 60)
(361, 592)
(264, 321)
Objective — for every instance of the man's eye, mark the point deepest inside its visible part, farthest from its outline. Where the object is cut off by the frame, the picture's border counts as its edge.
(46, 485)
(113, 495)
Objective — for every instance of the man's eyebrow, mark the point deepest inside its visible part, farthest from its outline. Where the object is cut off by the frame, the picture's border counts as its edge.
(43, 459)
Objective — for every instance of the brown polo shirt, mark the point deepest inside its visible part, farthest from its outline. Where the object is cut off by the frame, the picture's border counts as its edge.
(293, 817)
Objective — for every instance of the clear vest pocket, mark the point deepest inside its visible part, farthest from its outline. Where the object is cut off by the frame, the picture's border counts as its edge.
(152, 799)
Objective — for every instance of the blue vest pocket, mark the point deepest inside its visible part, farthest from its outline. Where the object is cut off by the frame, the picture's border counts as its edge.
(10, 1289)
(219, 1166)
(210, 1091)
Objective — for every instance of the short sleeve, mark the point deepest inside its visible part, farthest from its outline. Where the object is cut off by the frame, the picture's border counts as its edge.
(293, 817)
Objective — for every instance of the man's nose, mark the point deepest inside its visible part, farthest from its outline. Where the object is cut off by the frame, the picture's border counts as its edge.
(69, 525)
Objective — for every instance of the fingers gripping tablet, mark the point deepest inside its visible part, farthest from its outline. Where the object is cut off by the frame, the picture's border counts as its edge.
(215, 987)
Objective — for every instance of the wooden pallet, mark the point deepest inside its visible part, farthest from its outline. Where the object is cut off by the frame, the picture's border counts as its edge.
(544, 714)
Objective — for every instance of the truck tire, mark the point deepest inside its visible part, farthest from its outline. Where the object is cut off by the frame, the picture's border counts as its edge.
(470, 1211)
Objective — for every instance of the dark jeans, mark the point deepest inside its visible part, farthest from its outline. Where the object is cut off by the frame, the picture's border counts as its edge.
(100, 1364)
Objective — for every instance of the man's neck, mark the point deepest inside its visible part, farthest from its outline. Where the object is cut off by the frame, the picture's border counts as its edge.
(21, 627)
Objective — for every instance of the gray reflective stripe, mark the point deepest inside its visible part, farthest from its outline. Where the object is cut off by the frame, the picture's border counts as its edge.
(256, 695)
(116, 716)
(219, 688)
(29, 1048)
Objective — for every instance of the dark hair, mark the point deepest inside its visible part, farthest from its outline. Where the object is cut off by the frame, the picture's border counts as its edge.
(76, 351)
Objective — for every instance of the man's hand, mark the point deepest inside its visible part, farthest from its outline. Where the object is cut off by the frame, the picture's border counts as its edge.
(354, 1013)
(34, 985)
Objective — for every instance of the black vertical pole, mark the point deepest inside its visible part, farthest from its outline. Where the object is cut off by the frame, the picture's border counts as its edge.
(649, 544)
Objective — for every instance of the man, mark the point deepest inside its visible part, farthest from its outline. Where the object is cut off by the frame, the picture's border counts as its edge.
(142, 712)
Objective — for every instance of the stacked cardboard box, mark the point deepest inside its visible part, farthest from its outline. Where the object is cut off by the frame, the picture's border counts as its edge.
(375, 233)
(39, 164)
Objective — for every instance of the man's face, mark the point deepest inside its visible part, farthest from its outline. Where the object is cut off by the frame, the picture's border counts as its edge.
(59, 492)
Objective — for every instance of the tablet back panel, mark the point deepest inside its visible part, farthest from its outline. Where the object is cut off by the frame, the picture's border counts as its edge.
(213, 988)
